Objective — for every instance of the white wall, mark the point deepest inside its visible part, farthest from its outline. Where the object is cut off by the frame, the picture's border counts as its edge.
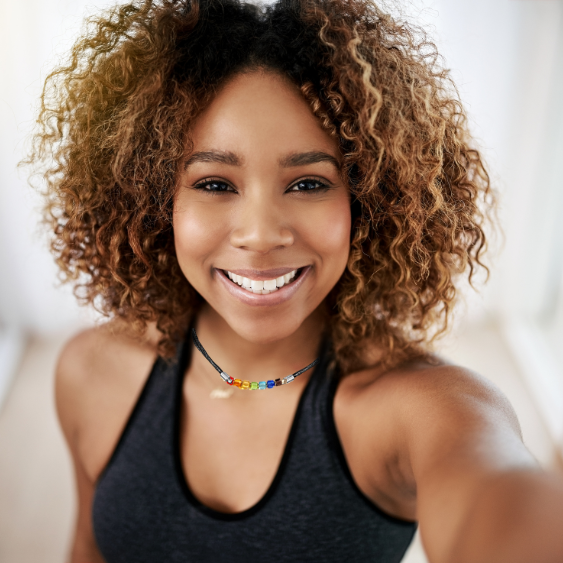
(32, 32)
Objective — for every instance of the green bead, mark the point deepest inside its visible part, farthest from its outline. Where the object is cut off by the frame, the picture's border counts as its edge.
(254, 385)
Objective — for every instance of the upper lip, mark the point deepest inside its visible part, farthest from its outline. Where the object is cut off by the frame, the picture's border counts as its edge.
(261, 275)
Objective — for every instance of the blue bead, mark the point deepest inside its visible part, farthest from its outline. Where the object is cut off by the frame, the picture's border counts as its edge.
(271, 383)
(262, 385)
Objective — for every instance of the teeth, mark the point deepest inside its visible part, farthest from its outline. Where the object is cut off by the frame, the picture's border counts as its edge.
(259, 286)
(269, 284)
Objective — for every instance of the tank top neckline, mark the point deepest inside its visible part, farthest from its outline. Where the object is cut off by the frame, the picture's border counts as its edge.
(180, 365)
(312, 511)
(182, 368)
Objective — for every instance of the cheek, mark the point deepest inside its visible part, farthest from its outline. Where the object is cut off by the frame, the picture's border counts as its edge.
(196, 234)
(328, 232)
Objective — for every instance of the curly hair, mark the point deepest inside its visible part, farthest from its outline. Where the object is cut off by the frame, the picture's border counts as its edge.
(113, 130)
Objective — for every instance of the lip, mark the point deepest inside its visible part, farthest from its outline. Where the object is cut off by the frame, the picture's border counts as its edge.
(270, 299)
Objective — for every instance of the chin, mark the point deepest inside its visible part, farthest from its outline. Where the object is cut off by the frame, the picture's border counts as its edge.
(265, 331)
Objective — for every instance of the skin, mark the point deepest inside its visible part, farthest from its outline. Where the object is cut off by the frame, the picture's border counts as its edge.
(434, 443)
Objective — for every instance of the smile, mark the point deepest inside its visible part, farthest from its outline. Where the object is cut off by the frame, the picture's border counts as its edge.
(285, 283)
(262, 287)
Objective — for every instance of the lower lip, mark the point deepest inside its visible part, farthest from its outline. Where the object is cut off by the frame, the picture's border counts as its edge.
(275, 298)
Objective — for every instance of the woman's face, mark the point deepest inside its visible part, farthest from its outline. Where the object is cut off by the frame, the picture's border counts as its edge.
(261, 200)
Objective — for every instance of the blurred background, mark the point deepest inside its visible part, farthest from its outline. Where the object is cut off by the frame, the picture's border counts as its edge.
(506, 57)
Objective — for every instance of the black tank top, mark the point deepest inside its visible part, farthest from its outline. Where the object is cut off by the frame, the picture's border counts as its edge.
(144, 511)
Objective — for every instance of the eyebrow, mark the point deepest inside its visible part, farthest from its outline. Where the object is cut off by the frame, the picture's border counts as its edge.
(289, 161)
(311, 157)
(221, 157)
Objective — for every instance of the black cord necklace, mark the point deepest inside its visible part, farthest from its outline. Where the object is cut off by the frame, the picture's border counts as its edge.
(242, 384)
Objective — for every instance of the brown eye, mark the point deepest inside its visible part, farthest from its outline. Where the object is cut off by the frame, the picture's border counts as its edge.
(213, 186)
(309, 185)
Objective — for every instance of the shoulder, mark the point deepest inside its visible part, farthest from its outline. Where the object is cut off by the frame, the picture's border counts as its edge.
(448, 415)
(442, 387)
(100, 373)
(423, 392)
(397, 425)
(100, 353)
(440, 407)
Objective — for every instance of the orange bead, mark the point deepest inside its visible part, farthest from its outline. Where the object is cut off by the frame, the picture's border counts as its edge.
(237, 382)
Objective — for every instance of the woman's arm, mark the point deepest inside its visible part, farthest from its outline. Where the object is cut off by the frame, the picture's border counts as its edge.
(481, 498)
(84, 548)
(70, 387)
(100, 374)
(517, 517)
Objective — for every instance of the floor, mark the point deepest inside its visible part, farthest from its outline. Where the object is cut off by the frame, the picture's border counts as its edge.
(36, 484)
(36, 488)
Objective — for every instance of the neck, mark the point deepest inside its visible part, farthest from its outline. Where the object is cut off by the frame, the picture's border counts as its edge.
(253, 361)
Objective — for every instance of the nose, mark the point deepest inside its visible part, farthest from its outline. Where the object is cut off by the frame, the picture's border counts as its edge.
(261, 226)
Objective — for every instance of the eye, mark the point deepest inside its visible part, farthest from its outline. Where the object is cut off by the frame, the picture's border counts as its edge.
(215, 186)
(309, 185)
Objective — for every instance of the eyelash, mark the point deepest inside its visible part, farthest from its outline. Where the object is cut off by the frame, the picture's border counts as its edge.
(322, 186)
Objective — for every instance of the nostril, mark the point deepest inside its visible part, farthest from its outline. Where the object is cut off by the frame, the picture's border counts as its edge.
(261, 236)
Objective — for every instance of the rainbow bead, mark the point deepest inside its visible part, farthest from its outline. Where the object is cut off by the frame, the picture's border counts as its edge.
(247, 384)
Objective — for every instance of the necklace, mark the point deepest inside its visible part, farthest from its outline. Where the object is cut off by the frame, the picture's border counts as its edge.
(243, 384)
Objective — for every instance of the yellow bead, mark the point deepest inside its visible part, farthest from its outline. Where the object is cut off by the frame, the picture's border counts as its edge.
(245, 385)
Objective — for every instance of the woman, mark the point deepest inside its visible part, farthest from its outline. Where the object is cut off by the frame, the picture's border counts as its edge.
(262, 190)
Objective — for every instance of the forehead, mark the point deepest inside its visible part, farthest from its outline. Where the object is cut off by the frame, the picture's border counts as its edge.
(260, 113)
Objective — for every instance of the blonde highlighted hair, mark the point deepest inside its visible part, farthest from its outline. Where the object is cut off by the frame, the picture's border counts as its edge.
(112, 134)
